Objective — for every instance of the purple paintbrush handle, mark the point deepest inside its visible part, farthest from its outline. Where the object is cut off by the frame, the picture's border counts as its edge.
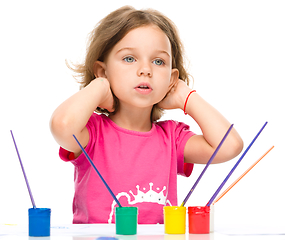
(207, 165)
(23, 170)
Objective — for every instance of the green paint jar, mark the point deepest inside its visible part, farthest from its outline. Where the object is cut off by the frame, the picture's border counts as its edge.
(126, 219)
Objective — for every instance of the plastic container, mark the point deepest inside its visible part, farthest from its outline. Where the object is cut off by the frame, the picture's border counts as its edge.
(199, 220)
(39, 222)
(126, 219)
(174, 219)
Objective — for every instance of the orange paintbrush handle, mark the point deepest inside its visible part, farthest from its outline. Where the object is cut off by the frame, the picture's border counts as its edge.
(236, 181)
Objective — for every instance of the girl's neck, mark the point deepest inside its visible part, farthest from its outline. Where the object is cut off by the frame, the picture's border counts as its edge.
(136, 120)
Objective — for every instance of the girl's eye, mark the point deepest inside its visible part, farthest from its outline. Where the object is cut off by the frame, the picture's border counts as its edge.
(129, 59)
(158, 62)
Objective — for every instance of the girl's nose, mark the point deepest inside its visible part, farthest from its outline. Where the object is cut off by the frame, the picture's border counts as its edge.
(145, 70)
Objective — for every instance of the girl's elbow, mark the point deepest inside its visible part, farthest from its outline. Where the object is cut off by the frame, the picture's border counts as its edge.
(58, 126)
(235, 148)
(238, 146)
(232, 149)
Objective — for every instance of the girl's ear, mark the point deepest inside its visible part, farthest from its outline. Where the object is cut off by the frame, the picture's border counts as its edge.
(99, 69)
(174, 78)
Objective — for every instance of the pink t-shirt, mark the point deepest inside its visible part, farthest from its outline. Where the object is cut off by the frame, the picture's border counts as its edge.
(140, 167)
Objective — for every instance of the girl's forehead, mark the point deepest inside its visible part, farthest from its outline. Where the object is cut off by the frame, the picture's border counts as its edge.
(149, 35)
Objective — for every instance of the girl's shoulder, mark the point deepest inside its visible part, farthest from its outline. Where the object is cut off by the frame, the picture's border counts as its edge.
(175, 128)
(97, 119)
(172, 124)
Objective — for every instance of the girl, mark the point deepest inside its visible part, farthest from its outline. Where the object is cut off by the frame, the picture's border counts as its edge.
(133, 70)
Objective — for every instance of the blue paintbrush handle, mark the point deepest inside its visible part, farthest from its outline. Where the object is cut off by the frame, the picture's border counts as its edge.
(89, 159)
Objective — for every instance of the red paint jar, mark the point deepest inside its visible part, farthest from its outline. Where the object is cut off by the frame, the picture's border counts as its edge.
(199, 219)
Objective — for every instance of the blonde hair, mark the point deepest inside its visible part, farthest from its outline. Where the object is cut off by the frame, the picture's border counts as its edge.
(111, 29)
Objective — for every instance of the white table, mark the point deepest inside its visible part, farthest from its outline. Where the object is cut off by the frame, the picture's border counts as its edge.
(145, 232)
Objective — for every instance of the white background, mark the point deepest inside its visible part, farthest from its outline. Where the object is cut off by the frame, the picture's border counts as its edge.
(236, 50)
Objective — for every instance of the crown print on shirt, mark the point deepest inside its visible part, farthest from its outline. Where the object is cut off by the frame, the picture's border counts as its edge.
(150, 196)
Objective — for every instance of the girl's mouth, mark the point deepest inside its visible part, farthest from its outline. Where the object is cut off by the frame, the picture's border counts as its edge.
(143, 88)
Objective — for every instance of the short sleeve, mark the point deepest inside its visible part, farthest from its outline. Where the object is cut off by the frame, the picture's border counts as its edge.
(68, 156)
(182, 134)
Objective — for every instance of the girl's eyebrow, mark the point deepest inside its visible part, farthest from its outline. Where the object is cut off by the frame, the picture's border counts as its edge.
(165, 52)
(123, 49)
(130, 48)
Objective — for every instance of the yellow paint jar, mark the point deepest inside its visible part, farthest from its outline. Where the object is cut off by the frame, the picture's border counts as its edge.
(174, 219)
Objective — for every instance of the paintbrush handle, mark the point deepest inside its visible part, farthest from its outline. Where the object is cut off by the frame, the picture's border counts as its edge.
(235, 166)
(236, 181)
(207, 165)
(93, 165)
(23, 170)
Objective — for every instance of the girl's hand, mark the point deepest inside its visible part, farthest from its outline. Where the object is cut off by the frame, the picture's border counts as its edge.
(176, 96)
(107, 99)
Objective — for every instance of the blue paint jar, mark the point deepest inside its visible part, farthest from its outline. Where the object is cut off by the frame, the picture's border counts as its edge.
(39, 222)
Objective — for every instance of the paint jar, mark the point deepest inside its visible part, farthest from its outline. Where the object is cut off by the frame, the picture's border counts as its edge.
(199, 220)
(174, 219)
(126, 219)
(39, 222)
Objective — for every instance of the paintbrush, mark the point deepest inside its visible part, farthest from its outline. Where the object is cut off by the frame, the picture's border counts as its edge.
(207, 165)
(23, 170)
(93, 165)
(236, 181)
(235, 166)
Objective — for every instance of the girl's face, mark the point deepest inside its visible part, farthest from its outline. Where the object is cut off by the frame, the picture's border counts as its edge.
(139, 67)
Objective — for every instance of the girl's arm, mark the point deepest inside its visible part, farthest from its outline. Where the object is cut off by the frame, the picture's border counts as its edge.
(73, 114)
(213, 124)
